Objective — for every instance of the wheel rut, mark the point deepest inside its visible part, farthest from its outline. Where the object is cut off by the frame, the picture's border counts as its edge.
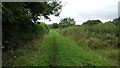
(53, 51)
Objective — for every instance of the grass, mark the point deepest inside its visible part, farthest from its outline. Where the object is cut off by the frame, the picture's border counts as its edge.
(57, 50)
(30, 55)
(40, 57)
(71, 54)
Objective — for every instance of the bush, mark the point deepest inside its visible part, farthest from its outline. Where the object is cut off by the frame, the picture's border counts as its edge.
(16, 35)
(101, 35)
(19, 21)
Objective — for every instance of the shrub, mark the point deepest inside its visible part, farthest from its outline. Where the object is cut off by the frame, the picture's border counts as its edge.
(101, 35)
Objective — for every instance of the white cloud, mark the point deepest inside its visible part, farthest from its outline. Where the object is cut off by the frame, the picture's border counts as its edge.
(83, 10)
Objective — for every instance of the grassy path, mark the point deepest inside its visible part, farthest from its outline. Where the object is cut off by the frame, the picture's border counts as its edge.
(58, 50)
(65, 52)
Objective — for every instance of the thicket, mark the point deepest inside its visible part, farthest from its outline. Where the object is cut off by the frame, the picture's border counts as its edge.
(100, 35)
(19, 21)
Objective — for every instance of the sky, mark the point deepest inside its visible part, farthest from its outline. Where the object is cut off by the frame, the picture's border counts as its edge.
(83, 10)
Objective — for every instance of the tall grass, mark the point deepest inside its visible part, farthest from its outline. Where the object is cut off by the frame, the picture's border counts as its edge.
(96, 36)
(101, 39)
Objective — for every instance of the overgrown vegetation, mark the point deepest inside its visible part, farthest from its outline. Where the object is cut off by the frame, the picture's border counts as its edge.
(101, 38)
(57, 48)
(99, 35)
(91, 44)
(20, 26)
(20, 21)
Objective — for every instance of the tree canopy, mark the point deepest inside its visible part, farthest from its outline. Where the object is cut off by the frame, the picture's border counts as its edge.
(92, 22)
(19, 20)
(34, 10)
(67, 22)
(55, 25)
(44, 9)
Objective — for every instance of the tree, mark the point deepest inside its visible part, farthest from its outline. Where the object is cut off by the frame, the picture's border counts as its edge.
(92, 22)
(116, 21)
(67, 22)
(44, 9)
(19, 20)
(55, 25)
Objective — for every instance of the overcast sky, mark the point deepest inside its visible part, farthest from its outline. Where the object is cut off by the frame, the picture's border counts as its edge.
(83, 10)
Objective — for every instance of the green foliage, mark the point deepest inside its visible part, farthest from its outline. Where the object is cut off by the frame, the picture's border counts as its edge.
(116, 21)
(56, 48)
(92, 22)
(97, 36)
(101, 39)
(44, 9)
(55, 25)
(67, 22)
(19, 21)
(104, 28)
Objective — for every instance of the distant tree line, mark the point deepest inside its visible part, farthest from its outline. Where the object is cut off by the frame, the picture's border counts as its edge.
(65, 22)
(92, 22)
